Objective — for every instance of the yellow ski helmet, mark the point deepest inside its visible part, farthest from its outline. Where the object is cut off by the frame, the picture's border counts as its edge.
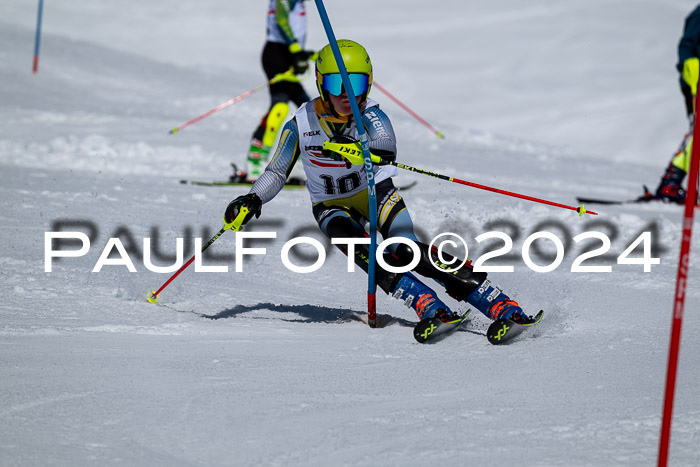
(357, 64)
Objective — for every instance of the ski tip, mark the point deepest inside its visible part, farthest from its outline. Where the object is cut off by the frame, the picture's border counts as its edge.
(407, 186)
(440, 134)
(173, 131)
(535, 319)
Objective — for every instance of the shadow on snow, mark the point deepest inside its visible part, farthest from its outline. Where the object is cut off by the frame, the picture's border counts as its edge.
(308, 314)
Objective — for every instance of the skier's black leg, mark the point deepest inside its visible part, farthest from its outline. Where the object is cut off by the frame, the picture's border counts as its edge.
(458, 284)
(340, 224)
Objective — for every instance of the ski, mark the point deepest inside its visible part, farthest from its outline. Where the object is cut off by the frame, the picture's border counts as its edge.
(432, 329)
(504, 330)
(639, 200)
(244, 184)
(645, 198)
(406, 186)
(613, 201)
(288, 185)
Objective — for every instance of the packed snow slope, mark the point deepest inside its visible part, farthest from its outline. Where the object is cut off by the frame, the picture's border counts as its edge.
(270, 367)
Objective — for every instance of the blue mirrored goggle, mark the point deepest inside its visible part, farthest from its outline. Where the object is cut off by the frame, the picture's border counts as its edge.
(333, 83)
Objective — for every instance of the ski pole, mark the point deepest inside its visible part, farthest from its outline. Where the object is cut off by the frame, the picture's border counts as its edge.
(581, 210)
(286, 76)
(235, 226)
(411, 112)
(37, 39)
(350, 152)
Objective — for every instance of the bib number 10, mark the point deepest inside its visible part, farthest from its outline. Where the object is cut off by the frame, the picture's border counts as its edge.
(341, 185)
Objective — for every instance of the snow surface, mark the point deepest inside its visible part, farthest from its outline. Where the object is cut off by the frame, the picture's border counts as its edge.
(266, 367)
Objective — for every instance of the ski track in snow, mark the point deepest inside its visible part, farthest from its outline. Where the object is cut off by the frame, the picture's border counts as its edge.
(267, 367)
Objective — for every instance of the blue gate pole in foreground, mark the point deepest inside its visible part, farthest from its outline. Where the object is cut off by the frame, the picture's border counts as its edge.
(37, 40)
(369, 167)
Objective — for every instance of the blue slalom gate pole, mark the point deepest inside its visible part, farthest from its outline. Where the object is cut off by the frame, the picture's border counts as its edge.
(369, 167)
(37, 40)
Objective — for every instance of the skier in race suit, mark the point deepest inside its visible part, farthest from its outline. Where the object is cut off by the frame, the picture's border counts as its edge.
(338, 190)
(688, 66)
(284, 49)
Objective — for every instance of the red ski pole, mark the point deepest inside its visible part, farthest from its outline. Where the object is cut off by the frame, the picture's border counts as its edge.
(235, 226)
(352, 152)
(581, 211)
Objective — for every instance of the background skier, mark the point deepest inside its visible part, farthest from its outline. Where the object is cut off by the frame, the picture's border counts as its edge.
(284, 49)
(670, 188)
(338, 190)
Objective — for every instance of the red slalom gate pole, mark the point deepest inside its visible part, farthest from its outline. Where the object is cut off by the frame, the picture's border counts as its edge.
(679, 301)
(411, 112)
(286, 76)
(220, 107)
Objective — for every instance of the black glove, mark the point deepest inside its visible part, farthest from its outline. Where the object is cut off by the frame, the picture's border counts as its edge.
(386, 156)
(250, 201)
(300, 58)
(300, 61)
(334, 155)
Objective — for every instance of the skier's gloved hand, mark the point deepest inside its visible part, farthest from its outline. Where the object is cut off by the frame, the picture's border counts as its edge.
(300, 58)
(385, 157)
(251, 201)
(311, 55)
(345, 148)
